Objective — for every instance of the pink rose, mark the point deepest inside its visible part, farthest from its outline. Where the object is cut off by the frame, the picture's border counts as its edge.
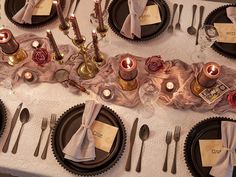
(153, 64)
(41, 56)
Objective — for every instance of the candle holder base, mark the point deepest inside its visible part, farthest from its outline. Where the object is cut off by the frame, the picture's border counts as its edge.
(65, 29)
(196, 88)
(102, 32)
(127, 85)
(59, 59)
(79, 43)
(17, 57)
(87, 70)
(99, 61)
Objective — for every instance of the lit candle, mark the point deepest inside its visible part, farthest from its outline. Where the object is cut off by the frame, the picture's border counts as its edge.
(170, 86)
(7, 42)
(209, 74)
(52, 41)
(128, 68)
(75, 27)
(28, 76)
(95, 45)
(98, 11)
(63, 25)
(106, 93)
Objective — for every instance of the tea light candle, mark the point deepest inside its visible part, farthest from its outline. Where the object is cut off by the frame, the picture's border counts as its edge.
(28, 76)
(7, 42)
(75, 27)
(128, 68)
(106, 93)
(209, 74)
(231, 98)
(63, 25)
(98, 11)
(170, 86)
(52, 41)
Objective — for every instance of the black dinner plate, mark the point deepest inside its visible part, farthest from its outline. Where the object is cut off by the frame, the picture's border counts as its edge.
(219, 16)
(69, 123)
(119, 10)
(13, 6)
(206, 129)
(3, 117)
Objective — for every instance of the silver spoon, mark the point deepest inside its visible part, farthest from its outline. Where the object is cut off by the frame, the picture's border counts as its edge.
(143, 134)
(191, 30)
(24, 118)
(170, 28)
(177, 25)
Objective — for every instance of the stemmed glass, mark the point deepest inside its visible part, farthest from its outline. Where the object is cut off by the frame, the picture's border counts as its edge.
(148, 94)
(207, 36)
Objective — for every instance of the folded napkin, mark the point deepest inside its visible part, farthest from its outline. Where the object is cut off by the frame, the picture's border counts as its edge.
(131, 26)
(231, 14)
(24, 15)
(225, 164)
(81, 146)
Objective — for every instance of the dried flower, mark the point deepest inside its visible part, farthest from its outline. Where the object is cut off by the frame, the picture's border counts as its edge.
(41, 56)
(154, 64)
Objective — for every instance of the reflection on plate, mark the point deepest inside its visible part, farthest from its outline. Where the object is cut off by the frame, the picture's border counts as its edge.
(206, 129)
(12, 7)
(219, 16)
(118, 11)
(69, 123)
(3, 117)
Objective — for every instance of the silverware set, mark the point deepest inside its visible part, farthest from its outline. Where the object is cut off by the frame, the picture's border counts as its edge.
(170, 28)
(168, 141)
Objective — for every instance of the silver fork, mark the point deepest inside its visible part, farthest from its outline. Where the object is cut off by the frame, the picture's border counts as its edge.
(52, 123)
(43, 127)
(176, 138)
(168, 141)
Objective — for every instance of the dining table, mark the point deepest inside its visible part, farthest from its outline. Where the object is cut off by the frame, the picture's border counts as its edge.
(46, 98)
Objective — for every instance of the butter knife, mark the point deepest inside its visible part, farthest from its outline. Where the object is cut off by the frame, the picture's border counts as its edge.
(132, 138)
(200, 22)
(13, 123)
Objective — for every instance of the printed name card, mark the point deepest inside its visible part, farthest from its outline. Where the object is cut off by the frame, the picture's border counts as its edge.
(43, 8)
(210, 150)
(104, 135)
(151, 15)
(227, 32)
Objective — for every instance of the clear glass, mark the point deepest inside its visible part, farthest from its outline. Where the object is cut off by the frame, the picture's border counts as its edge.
(207, 36)
(148, 94)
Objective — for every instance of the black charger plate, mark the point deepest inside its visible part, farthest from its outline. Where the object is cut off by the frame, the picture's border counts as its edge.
(219, 16)
(13, 6)
(119, 10)
(69, 123)
(3, 117)
(206, 129)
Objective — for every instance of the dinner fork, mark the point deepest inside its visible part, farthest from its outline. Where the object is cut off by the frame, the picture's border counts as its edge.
(52, 123)
(176, 138)
(43, 127)
(168, 141)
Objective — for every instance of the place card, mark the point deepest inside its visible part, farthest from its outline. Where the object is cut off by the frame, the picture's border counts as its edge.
(151, 15)
(43, 8)
(227, 32)
(104, 135)
(210, 150)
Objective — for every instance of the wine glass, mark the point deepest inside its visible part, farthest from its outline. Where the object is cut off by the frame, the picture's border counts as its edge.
(148, 94)
(207, 36)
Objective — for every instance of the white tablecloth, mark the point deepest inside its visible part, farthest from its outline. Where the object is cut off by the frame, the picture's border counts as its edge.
(44, 99)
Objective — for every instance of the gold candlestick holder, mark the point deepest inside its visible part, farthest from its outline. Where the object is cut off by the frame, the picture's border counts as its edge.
(195, 87)
(17, 57)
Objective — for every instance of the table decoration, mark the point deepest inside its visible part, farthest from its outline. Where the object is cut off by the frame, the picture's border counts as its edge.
(29, 76)
(219, 15)
(98, 57)
(231, 98)
(64, 25)
(67, 125)
(170, 86)
(41, 56)
(154, 64)
(11, 47)
(11, 8)
(118, 11)
(207, 129)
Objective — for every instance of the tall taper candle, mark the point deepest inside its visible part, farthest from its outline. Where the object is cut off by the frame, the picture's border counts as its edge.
(95, 45)
(98, 11)
(52, 41)
(75, 27)
(63, 25)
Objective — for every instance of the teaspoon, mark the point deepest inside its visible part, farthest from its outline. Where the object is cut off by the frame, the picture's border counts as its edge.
(191, 30)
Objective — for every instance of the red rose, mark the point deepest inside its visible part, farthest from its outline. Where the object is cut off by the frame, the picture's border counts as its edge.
(153, 64)
(232, 98)
(41, 56)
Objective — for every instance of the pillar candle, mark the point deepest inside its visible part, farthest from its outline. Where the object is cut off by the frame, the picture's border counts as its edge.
(7, 42)
(98, 11)
(209, 74)
(75, 27)
(128, 68)
(60, 15)
(54, 45)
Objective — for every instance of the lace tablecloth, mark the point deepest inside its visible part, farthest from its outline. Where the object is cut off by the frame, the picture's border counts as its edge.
(44, 99)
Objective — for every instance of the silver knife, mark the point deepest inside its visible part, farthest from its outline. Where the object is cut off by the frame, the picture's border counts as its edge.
(132, 138)
(13, 123)
(200, 22)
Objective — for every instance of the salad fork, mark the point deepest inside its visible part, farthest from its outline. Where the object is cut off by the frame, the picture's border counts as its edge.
(52, 123)
(176, 139)
(43, 127)
(168, 141)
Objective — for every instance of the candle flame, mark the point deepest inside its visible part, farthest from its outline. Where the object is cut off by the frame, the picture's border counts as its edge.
(72, 15)
(128, 62)
(3, 36)
(54, 2)
(96, 1)
(94, 31)
(213, 69)
(48, 30)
